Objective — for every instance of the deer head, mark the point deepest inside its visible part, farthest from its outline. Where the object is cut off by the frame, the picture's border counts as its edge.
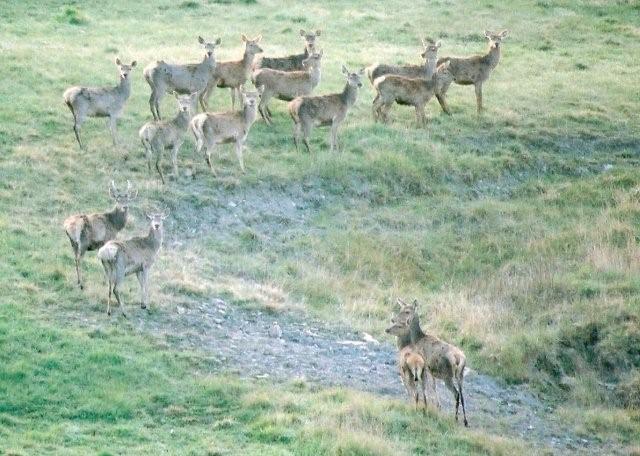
(495, 39)
(353, 79)
(209, 46)
(310, 39)
(251, 46)
(123, 69)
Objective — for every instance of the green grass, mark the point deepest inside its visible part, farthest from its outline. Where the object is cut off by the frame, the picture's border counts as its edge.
(517, 232)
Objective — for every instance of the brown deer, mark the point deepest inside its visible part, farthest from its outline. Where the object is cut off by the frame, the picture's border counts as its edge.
(286, 85)
(211, 128)
(443, 360)
(100, 101)
(135, 255)
(234, 73)
(407, 91)
(408, 71)
(473, 70)
(184, 78)
(88, 232)
(413, 373)
(158, 135)
(323, 110)
(290, 62)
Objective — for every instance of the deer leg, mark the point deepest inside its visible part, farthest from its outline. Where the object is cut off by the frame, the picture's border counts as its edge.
(207, 157)
(435, 392)
(464, 412)
(306, 131)
(375, 108)
(334, 136)
(443, 103)
(112, 128)
(116, 293)
(159, 169)
(174, 158)
(297, 131)
(109, 299)
(423, 387)
(143, 278)
(478, 87)
(449, 383)
(233, 98)
(78, 272)
(239, 144)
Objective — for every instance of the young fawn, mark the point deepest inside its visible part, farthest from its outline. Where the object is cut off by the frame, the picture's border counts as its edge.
(330, 110)
(100, 101)
(158, 135)
(165, 77)
(233, 74)
(475, 69)
(413, 373)
(408, 71)
(212, 128)
(88, 232)
(443, 360)
(286, 85)
(291, 62)
(135, 255)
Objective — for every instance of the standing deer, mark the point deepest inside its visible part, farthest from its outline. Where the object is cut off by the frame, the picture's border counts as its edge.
(158, 135)
(407, 91)
(413, 373)
(286, 85)
(473, 70)
(135, 255)
(211, 128)
(290, 62)
(234, 73)
(90, 231)
(408, 71)
(184, 79)
(329, 109)
(443, 360)
(99, 101)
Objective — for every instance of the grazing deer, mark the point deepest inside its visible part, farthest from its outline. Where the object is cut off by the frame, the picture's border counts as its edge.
(473, 70)
(443, 360)
(290, 62)
(408, 71)
(330, 109)
(233, 74)
(211, 128)
(99, 101)
(135, 255)
(407, 91)
(158, 135)
(286, 85)
(184, 79)
(91, 231)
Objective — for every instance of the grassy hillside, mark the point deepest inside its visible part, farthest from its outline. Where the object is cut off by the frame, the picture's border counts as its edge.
(517, 232)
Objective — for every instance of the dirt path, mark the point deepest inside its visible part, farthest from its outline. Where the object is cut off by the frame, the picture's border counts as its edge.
(339, 357)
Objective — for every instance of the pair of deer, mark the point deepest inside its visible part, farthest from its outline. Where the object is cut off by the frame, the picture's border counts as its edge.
(423, 355)
(415, 85)
(98, 231)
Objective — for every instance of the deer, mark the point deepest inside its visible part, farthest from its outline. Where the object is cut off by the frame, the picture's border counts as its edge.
(212, 128)
(88, 232)
(291, 62)
(286, 85)
(331, 109)
(234, 73)
(408, 91)
(413, 373)
(158, 135)
(135, 255)
(182, 78)
(442, 360)
(108, 102)
(409, 71)
(474, 69)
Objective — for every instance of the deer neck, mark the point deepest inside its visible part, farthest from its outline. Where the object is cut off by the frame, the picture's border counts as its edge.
(416, 330)
(154, 238)
(118, 217)
(247, 59)
(430, 67)
(125, 87)
(403, 341)
(314, 74)
(181, 121)
(249, 116)
(493, 56)
(209, 62)
(349, 95)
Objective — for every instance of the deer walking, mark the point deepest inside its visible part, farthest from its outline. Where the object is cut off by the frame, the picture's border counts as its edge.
(182, 78)
(212, 128)
(290, 62)
(158, 135)
(135, 255)
(108, 102)
(286, 85)
(88, 232)
(443, 360)
(331, 109)
(474, 70)
(233, 74)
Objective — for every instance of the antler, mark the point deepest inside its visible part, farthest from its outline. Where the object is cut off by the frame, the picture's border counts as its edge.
(113, 191)
(428, 40)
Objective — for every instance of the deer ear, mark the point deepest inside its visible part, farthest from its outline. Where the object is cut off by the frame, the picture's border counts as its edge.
(257, 38)
(414, 304)
(318, 32)
(118, 62)
(487, 33)
(218, 41)
(133, 64)
(321, 53)
(504, 33)
(344, 70)
(302, 32)
(439, 43)
(200, 40)
(244, 37)
(361, 71)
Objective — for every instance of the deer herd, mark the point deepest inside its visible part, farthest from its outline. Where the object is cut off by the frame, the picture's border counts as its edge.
(422, 357)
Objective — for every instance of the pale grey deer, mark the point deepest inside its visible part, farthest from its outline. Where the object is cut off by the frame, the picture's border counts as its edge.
(290, 62)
